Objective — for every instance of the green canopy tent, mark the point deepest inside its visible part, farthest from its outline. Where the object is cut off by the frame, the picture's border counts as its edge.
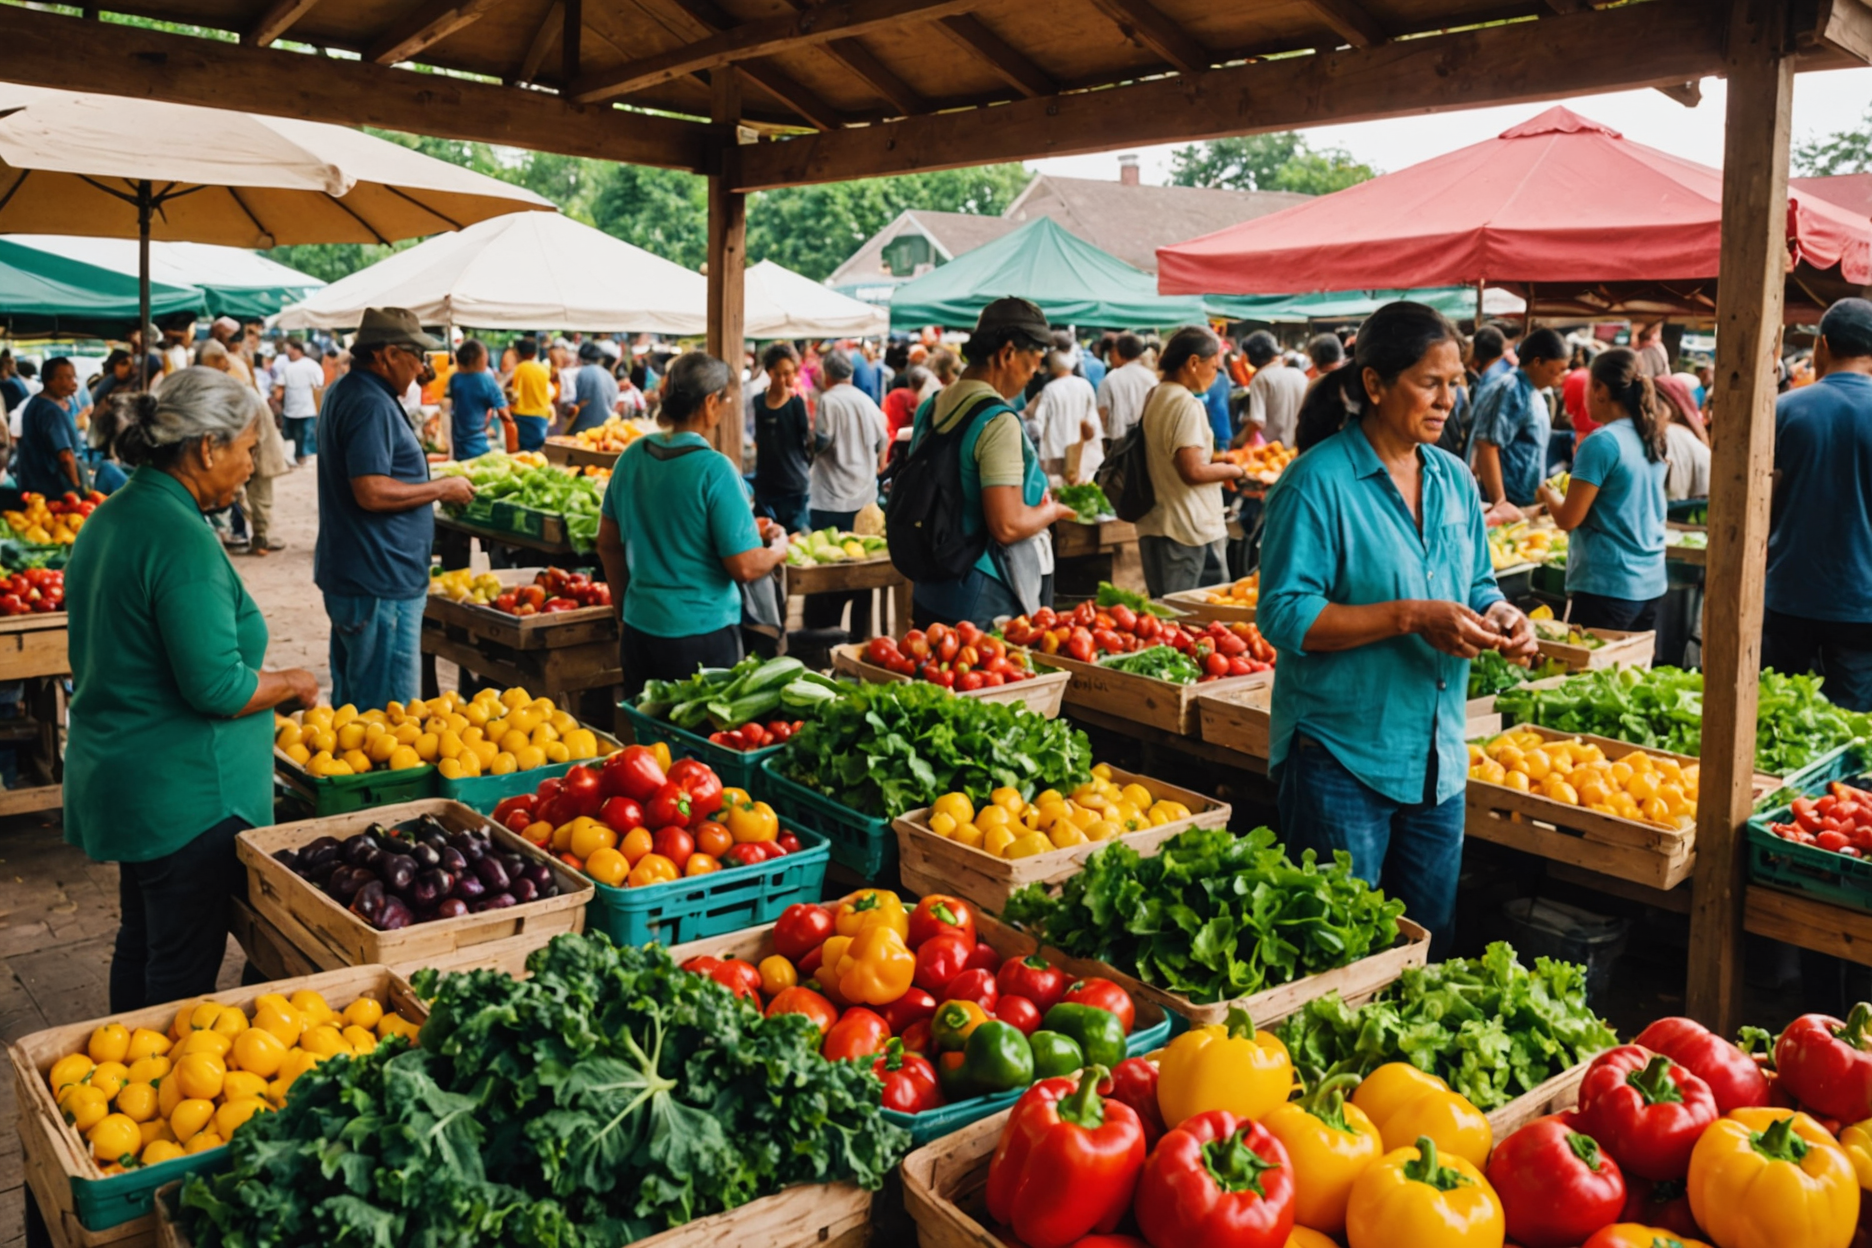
(234, 281)
(1455, 302)
(44, 293)
(1073, 282)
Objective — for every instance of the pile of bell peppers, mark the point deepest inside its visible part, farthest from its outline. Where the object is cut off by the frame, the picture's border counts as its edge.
(934, 1010)
(1680, 1140)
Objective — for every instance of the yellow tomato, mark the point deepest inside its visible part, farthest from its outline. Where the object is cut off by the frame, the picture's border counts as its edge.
(1643, 786)
(242, 1083)
(230, 1116)
(115, 1137)
(190, 1117)
(108, 1077)
(109, 1043)
(84, 1106)
(281, 1020)
(1102, 830)
(968, 834)
(992, 816)
(145, 1043)
(360, 1039)
(213, 1043)
(607, 866)
(157, 1151)
(364, 1012)
(69, 1070)
(1028, 845)
(148, 1070)
(1535, 765)
(203, 1142)
(323, 1040)
(1517, 780)
(200, 1076)
(1065, 836)
(942, 823)
(591, 837)
(996, 837)
(1008, 799)
(137, 1102)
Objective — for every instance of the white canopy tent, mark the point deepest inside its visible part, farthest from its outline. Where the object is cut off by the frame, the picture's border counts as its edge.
(785, 304)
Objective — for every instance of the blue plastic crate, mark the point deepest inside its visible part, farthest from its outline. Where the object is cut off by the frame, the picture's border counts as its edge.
(485, 792)
(866, 844)
(109, 1202)
(738, 769)
(709, 905)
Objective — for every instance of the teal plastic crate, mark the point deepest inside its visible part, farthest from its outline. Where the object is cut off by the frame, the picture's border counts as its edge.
(104, 1203)
(939, 1122)
(709, 905)
(865, 843)
(484, 793)
(738, 769)
(1808, 869)
(340, 795)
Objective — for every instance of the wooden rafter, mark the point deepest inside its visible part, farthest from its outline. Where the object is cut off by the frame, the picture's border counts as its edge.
(543, 39)
(971, 35)
(750, 40)
(864, 65)
(571, 39)
(276, 21)
(1150, 26)
(1688, 94)
(1350, 22)
(428, 25)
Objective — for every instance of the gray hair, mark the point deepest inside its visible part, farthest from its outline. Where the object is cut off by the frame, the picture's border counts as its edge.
(837, 366)
(195, 403)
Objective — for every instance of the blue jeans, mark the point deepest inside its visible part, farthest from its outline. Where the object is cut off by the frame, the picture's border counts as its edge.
(376, 649)
(302, 432)
(532, 431)
(977, 597)
(789, 511)
(174, 928)
(1414, 852)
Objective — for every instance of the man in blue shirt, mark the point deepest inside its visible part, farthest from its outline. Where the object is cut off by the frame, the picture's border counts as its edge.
(474, 396)
(13, 389)
(1819, 589)
(865, 373)
(375, 523)
(594, 391)
(1513, 424)
(46, 459)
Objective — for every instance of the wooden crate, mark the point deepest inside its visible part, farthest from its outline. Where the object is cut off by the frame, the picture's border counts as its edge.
(1042, 694)
(1142, 699)
(55, 1156)
(1072, 540)
(1555, 1095)
(1194, 603)
(523, 632)
(333, 936)
(935, 864)
(34, 645)
(567, 453)
(1622, 649)
(1242, 720)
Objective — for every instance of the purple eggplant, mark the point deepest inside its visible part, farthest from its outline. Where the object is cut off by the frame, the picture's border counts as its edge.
(359, 849)
(469, 887)
(548, 890)
(430, 886)
(394, 915)
(369, 902)
(397, 871)
(492, 874)
(346, 882)
(426, 855)
(451, 908)
(319, 850)
(515, 863)
(493, 901)
(288, 858)
(539, 872)
(321, 875)
(524, 890)
(452, 860)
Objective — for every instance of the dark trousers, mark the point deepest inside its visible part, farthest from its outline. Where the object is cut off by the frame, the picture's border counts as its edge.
(174, 931)
(302, 432)
(1626, 615)
(828, 610)
(646, 657)
(789, 511)
(977, 597)
(1839, 650)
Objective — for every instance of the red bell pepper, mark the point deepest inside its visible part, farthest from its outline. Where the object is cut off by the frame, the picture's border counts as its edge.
(909, 1080)
(909, 1009)
(705, 787)
(1019, 1012)
(521, 806)
(1106, 996)
(1217, 1181)
(916, 1037)
(1827, 1064)
(633, 772)
(1645, 1110)
(858, 1033)
(985, 958)
(940, 915)
(1664, 1205)
(1134, 1082)
(1067, 1164)
(939, 959)
(734, 975)
(1032, 977)
(621, 814)
(801, 928)
(1733, 1077)
(1556, 1185)
(585, 786)
(977, 985)
(670, 806)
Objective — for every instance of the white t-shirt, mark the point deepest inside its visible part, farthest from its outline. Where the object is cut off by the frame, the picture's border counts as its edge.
(1689, 473)
(1274, 398)
(1121, 397)
(1054, 418)
(300, 378)
(1190, 515)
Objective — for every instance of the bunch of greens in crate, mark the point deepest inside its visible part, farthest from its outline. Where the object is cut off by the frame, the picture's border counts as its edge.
(1662, 709)
(728, 697)
(1490, 673)
(1088, 502)
(884, 750)
(1213, 915)
(608, 1097)
(1488, 1026)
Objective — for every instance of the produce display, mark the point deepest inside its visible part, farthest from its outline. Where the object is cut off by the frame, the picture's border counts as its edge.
(1525, 541)
(962, 657)
(1088, 502)
(140, 1097)
(1213, 916)
(642, 820)
(810, 549)
(1243, 593)
(1009, 826)
(1686, 539)
(1648, 788)
(1549, 629)
(1662, 709)
(726, 700)
(51, 522)
(394, 877)
(757, 736)
(467, 585)
(611, 437)
(1264, 463)
(1181, 653)
(887, 749)
(527, 480)
(493, 733)
(553, 590)
(32, 591)
(1491, 673)
(912, 994)
(1839, 821)
(607, 1096)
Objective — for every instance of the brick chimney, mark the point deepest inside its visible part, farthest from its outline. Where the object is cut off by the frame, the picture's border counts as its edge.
(1128, 170)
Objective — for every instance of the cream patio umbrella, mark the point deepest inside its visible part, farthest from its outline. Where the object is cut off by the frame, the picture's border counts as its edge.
(75, 163)
(785, 304)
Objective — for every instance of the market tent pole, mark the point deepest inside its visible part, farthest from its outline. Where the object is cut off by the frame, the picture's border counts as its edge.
(1748, 327)
(727, 259)
(143, 276)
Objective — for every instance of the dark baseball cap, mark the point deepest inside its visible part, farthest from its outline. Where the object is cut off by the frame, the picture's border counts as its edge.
(1847, 328)
(1010, 313)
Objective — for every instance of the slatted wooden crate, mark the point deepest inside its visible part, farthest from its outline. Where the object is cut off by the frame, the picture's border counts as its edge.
(1142, 699)
(1621, 649)
(1241, 719)
(523, 632)
(1042, 694)
(1195, 604)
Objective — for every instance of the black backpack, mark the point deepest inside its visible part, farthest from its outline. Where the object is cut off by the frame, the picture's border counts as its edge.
(923, 517)
(1125, 477)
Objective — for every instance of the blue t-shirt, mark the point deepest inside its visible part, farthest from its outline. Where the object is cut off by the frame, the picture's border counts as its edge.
(362, 432)
(1510, 413)
(1093, 366)
(679, 516)
(867, 377)
(1820, 543)
(1618, 551)
(14, 392)
(1217, 401)
(46, 428)
(596, 392)
(471, 397)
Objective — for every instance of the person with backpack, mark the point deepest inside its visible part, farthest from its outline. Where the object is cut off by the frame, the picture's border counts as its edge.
(969, 509)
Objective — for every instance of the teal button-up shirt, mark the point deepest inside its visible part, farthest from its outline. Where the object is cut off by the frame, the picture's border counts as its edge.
(1338, 531)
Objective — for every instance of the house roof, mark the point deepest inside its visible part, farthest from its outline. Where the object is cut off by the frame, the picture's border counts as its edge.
(953, 234)
(1132, 222)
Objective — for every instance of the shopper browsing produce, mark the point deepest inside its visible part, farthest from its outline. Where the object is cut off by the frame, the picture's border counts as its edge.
(1614, 502)
(782, 442)
(169, 698)
(678, 537)
(1377, 590)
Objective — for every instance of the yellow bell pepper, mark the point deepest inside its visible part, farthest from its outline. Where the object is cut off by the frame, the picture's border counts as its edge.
(870, 906)
(876, 968)
(1412, 1198)
(1405, 1103)
(1857, 1141)
(1773, 1178)
(1223, 1066)
(1329, 1144)
(827, 974)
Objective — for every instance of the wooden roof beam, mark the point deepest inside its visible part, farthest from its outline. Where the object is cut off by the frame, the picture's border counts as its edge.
(968, 32)
(276, 21)
(864, 65)
(427, 26)
(543, 38)
(1148, 25)
(1350, 22)
(1688, 94)
(814, 26)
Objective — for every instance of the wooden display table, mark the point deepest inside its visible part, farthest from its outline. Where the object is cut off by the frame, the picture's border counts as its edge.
(33, 649)
(1073, 540)
(557, 656)
(454, 541)
(878, 575)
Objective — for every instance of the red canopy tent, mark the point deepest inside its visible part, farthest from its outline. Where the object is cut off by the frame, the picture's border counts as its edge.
(1560, 209)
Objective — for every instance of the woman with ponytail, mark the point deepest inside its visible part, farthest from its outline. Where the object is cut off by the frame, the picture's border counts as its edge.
(1614, 505)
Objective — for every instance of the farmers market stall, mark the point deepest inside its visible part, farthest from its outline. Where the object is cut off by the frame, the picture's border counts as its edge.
(542, 629)
(522, 502)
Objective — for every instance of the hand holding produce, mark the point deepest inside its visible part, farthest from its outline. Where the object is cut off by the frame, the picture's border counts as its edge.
(1229, 1066)
(1067, 1164)
(1329, 1143)
(1217, 1179)
(962, 658)
(1557, 1186)
(1009, 827)
(1772, 1178)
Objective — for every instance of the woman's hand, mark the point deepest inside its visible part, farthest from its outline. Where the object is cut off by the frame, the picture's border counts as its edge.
(1452, 628)
(304, 690)
(1516, 642)
(1503, 512)
(1553, 498)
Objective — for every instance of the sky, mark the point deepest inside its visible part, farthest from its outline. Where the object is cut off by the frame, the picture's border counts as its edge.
(1823, 104)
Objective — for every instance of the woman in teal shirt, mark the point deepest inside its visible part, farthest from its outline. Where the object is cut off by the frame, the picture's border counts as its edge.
(1376, 589)
(678, 536)
(170, 751)
(1614, 505)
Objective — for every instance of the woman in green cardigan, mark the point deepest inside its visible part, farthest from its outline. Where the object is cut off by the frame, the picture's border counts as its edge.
(169, 752)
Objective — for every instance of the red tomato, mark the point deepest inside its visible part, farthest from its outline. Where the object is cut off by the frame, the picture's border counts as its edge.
(984, 957)
(802, 928)
(710, 837)
(858, 1033)
(621, 814)
(977, 985)
(906, 1011)
(803, 1000)
(1106, 995)
(674, 844)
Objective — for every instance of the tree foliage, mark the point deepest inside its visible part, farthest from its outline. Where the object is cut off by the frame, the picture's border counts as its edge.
(1267, 162)
(1844, 151)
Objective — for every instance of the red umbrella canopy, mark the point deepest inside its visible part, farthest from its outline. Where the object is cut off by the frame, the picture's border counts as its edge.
(1557, 199)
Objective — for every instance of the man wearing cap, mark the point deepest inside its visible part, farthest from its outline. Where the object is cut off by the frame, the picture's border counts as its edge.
(375, 523)
(594, 391)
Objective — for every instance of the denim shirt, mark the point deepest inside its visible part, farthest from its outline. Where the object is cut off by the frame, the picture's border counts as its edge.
(1338, 531)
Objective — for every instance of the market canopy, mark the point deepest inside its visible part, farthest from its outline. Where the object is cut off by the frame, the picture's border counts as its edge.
(785, 304)
(1560, 205)
(1455, 302)
(530, 270)
(232, 281)
(45, 293)
(1074, 283)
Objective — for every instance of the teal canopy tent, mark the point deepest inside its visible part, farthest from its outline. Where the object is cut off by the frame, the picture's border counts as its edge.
(234, 281)
(1456, 302)
(44, 293)
(1073, 282)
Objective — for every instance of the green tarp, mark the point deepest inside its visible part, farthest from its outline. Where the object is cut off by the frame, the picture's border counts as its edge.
(1073, 282)
(42, 293)
(1347, 305)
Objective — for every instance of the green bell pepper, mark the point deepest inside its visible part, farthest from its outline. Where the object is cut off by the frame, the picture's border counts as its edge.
(997, 1059)
(1099, 1034)
(1055, 1054)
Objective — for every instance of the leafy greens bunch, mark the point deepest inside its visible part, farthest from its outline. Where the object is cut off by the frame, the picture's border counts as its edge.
(1088, 501)
(1214, 916)
(1488, 1026)
(1490, 673)
(606, 1098)
(888, 749)
(572, 495)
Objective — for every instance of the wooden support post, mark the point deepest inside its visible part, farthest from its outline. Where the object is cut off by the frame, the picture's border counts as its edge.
(727, 256)
(1748, 328)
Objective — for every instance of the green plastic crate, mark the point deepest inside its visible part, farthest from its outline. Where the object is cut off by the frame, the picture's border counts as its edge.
(340, 795)
(484, 793)
(865, 843)
(475, 511)
(522, 521)
(104, 1203)
(708, 905)
(738, 769)
(1806, 868)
